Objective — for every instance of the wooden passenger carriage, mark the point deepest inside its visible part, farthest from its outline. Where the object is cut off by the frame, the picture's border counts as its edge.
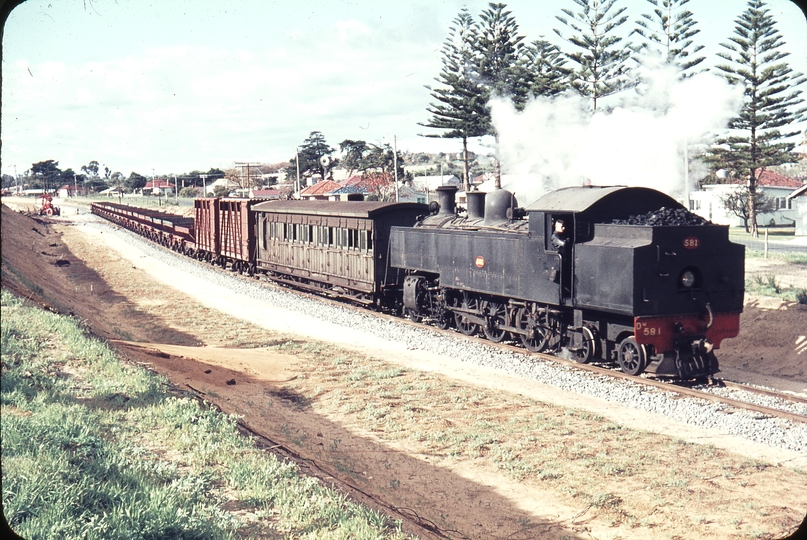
(336, 247)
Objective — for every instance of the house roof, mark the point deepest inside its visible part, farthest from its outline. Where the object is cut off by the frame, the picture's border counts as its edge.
(801, 192)
(347, 190)
(320, 188)
(369, 182)
(151, 184)
(773, 179)
(271, 192)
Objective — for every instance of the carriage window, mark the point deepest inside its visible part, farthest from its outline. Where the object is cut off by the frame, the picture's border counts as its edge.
(331, 237)
(310, 237)
(363, 240)
(369, 240)
(265, 239)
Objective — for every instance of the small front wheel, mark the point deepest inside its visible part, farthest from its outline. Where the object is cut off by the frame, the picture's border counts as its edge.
(632, 356)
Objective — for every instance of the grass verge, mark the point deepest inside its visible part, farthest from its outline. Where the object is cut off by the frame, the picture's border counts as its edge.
(95, 448)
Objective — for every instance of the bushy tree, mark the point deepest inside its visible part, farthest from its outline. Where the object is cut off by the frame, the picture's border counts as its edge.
(189, 192)
(134, 182)
(755, 61)
(91, 169)
(310, 155)
(45, 175)
(601, 58)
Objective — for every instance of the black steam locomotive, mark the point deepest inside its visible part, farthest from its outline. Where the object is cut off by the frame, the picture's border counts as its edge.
(637, 279)
(630, 277)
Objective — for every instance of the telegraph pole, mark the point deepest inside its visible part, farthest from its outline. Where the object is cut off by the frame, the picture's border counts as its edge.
(246, 165)
(297, 153)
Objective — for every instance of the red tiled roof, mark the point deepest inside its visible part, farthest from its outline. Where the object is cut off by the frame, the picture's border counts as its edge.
(157, 184)
(320, 188)
(772, 179)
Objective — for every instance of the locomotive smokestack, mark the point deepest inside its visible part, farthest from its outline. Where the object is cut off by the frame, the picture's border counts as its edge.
(476, 204)
(445, 196)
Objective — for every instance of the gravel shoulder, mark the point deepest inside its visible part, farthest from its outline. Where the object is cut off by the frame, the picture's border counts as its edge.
(302, 393)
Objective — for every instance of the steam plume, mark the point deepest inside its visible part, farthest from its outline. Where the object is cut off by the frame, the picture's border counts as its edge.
(557, 142)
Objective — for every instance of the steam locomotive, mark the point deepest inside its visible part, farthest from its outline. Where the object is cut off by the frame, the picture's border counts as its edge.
(638, 280)
(658, 297)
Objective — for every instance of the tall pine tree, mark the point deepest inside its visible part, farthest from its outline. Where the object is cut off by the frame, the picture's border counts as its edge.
(545, 70)
(499, 50)
(755, 60)
(499, 46)
(460, 105)
(669, 30)
(602, 68)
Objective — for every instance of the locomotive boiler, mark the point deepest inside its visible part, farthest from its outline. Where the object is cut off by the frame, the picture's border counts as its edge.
(638, 280)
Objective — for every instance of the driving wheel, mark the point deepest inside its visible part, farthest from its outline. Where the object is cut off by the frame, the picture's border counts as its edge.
(463, 324)
(497, 315)
(537, 336)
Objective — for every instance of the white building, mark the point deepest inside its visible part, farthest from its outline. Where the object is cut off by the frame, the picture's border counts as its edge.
(707, 202)
(425, 184)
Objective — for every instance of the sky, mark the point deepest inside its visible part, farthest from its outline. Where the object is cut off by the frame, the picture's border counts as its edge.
(166, 87)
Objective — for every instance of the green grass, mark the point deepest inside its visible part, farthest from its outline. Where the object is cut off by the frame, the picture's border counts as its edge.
(768, 285)
(96, 448)
(792, 258)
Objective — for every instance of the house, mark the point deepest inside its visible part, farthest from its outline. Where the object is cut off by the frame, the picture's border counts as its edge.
(347, 193)
(115, 191)
(72, 191)
(707, 201)
(320, 190)
(264, 193)
(159, 187)
(426, 184)
(798, 202)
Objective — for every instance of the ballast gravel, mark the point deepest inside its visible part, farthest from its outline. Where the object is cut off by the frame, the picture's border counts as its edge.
(752, 426)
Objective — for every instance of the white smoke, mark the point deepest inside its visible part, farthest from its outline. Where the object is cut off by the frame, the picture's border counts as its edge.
(557, 142)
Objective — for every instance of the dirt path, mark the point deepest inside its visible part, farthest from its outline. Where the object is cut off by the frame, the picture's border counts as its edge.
(449, 445)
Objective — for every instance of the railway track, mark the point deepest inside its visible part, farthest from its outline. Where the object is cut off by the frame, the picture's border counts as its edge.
(682, 389)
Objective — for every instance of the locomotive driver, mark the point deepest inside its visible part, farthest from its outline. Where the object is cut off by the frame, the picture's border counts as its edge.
(560, 238)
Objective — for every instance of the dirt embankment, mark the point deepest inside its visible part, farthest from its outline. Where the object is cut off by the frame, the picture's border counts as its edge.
(400, 439)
